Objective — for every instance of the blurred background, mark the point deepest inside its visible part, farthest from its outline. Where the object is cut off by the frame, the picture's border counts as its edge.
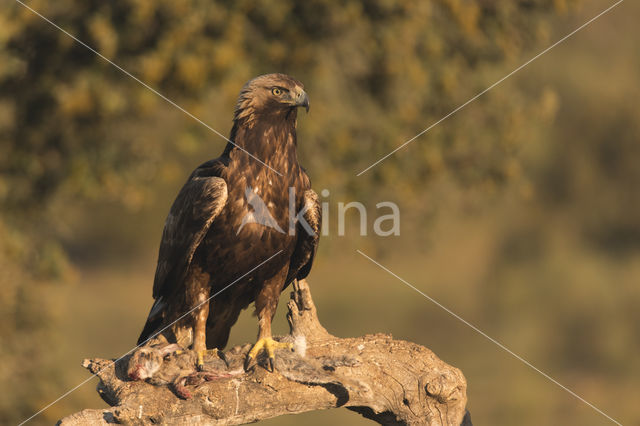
(521, 213)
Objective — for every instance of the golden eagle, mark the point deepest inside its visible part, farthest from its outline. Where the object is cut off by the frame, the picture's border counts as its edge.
(215, 235)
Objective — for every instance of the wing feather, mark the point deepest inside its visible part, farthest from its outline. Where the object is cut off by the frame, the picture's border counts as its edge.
(199, 202)
(307, 244)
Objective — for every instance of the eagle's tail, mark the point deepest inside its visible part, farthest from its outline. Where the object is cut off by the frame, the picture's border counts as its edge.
(154, 321)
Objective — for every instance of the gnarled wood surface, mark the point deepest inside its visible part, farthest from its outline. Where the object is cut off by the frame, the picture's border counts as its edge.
(388, 381)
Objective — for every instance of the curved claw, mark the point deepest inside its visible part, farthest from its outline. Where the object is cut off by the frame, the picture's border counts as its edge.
(200, 361)
(247, 363)
(223, 357)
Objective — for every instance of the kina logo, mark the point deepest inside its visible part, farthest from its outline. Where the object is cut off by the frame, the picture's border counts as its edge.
(259, 212)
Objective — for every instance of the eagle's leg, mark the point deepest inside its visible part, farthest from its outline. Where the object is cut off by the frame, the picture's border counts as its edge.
(198, 297)
(266, 305)
(200, 332)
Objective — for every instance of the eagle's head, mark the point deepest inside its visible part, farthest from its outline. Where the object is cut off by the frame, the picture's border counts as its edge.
(274, 95)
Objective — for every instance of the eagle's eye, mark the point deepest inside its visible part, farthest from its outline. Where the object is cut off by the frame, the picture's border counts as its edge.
(276, 91)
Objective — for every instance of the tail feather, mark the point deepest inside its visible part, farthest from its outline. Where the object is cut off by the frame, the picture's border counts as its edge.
(154, 321)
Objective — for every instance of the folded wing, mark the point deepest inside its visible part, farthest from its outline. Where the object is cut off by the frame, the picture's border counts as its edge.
(197, 205)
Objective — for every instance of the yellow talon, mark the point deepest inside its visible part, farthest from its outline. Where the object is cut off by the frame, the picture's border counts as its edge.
(269, 345)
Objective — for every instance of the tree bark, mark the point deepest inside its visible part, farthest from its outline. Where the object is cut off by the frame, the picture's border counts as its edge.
(388, 381)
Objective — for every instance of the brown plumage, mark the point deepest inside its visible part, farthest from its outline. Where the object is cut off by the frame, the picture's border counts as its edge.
(208, 243)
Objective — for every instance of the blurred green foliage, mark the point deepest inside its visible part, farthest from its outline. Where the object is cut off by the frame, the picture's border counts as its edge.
(378, 71)
(90, 160)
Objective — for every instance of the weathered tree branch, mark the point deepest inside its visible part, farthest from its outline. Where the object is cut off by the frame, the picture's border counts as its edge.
(388, 381)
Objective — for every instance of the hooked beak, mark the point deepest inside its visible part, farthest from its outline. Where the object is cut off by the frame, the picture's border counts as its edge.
(301, 99)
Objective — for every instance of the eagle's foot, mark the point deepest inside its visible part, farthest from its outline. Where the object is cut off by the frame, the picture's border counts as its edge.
(269, 345)
(201, 354)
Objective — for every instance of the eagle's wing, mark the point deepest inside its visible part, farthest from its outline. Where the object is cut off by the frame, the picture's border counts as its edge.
(307, 242)
(198, 203)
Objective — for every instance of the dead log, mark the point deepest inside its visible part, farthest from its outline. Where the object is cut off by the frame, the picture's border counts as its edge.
(388, 381)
